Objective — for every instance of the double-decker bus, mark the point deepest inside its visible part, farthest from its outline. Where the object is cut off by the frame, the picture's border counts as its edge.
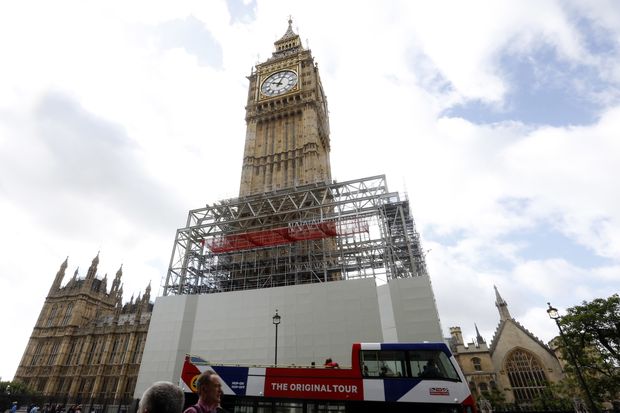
(384, 377)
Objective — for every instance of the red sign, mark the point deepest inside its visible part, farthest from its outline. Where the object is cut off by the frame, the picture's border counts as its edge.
(439, 391)
(314, 388)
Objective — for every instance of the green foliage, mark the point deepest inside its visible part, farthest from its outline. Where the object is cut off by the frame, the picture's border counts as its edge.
(496, 397)
(16, 388)
(592, 333)
(555, 396)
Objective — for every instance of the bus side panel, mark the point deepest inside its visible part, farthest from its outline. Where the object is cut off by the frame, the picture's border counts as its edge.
(234, 379)
(436, 391)
(314, 388)
(374, 390)
(256, 382)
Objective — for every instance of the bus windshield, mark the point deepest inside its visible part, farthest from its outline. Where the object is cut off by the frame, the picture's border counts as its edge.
(426, 364)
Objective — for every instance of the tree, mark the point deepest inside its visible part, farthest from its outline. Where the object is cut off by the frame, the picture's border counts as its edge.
(555, 396)
(592, 333)
(11, 391)
(496, 397)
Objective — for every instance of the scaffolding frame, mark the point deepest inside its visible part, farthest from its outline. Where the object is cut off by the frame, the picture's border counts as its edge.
(313, 233)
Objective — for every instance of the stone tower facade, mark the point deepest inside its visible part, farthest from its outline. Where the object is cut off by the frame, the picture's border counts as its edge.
(86, 345)
(287, 137)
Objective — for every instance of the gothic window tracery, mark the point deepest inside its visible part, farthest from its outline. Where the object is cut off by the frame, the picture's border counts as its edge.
(53, 353)
(68, 313)
(52, 315)
(37, 354)
(526, 375)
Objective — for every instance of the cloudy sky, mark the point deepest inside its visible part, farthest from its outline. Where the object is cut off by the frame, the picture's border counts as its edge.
(499, 119)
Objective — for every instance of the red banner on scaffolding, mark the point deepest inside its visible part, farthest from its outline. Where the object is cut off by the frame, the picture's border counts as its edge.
(295, 231)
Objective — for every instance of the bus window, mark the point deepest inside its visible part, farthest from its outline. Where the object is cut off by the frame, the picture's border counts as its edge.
(324, 407)
(431, 364)
(382, 363)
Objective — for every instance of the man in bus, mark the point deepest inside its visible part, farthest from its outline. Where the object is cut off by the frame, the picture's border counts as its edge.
(431, 370)
(330, 364)
(209, 394)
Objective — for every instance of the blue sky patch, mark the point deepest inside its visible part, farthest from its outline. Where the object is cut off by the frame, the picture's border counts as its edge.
(597, 39)
(241, 11)
(545, 242)
(192, 35)
(446, 239)
(542, 90)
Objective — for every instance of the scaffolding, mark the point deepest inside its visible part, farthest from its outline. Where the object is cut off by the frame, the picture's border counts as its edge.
(313, 233)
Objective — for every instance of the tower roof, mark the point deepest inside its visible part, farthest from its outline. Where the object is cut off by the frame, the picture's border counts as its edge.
(289, 43)
(290, 34)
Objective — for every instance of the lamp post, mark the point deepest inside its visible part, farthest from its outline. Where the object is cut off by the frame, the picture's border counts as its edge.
(555, 315)
(276, 321)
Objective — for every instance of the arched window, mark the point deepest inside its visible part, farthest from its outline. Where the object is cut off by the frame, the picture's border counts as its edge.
(477, 363)
(68, 314)
(52, 315)
(526, 375)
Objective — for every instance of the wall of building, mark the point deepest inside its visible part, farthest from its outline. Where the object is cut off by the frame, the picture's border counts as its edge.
(318, 321)
(414, 308)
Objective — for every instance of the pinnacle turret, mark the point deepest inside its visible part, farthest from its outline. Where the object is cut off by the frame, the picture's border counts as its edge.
(479, 338)
(502, 306)
(59, 275)
(147, 293)
(92, 270)
(117, 280)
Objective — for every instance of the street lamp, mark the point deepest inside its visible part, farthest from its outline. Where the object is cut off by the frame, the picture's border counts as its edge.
(555, 315)
(276, 321)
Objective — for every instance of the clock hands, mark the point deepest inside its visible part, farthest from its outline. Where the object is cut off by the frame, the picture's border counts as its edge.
(279, 82)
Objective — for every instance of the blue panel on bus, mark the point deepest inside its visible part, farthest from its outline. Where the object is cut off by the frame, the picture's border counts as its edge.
(397, 388)
(416, 346)
(234, 377)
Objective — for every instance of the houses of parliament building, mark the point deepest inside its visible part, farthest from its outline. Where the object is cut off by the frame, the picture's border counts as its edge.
(86, 345)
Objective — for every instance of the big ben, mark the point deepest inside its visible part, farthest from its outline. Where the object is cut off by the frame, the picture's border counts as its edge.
(287, 138)
(339, 261)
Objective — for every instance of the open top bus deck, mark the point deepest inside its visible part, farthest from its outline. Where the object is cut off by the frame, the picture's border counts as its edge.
(390, 377)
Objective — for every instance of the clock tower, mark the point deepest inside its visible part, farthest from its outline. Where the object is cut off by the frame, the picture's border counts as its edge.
(287, 137)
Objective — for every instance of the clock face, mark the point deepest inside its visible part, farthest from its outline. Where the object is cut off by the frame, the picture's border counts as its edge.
(279, 83)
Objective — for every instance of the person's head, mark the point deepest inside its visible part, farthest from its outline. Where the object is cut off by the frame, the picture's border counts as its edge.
(162, 397)
(209, 388)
